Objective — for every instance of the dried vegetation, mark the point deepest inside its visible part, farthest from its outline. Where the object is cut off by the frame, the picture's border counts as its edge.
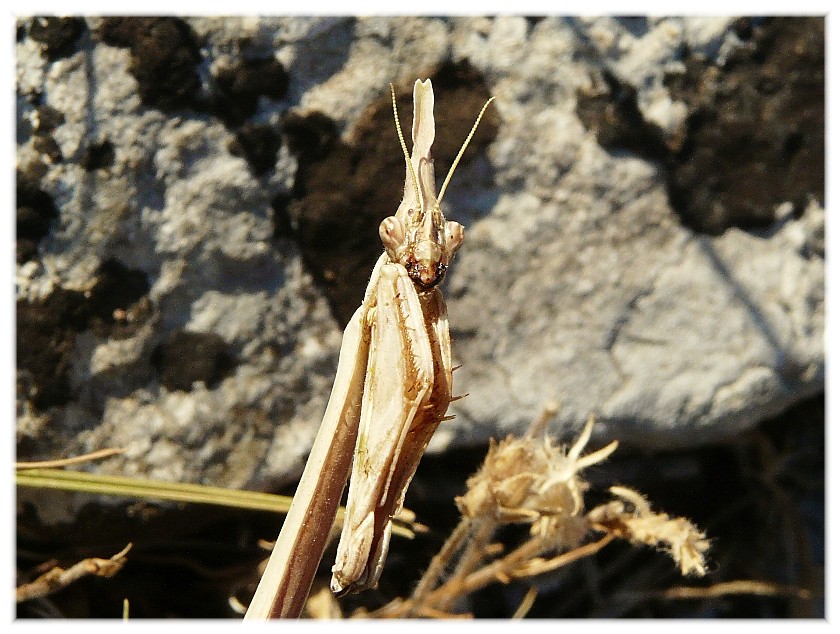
(541, 530)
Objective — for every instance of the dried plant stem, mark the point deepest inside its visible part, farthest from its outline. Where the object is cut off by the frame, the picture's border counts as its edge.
(469, 530)
(285, 584)
(741, 586)
(64, 462)
(436, 567)
(524, 561)
(149, 489)
(495, 571)
(58, 578)
(539, 566)
(432, 613)
(472, 557)
(456, 587)
(526, 604)
(534, 481)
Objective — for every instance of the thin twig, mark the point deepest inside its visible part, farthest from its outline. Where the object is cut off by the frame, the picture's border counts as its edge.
(64, 462)
(526, 604)
(454, 588)
(434, 571)
(472, 557)
(495, 571)
(59, 578)
(515, 564)
(540, 566)
(432, 613)
(741, 586)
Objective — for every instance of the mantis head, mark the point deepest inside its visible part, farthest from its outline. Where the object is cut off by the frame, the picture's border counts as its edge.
(417, 235)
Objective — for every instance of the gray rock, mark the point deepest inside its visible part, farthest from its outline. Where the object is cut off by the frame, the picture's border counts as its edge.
(578, 282)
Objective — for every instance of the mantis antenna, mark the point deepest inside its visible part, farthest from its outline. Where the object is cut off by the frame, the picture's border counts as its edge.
(461, 152)
(405, 149)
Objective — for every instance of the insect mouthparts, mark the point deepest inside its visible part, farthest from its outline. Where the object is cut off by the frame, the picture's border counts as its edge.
(426, 275)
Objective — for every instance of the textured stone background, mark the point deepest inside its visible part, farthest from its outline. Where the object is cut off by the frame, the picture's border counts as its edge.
(198, 199)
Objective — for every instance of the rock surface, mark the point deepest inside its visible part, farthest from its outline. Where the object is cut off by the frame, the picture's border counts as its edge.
(198, 202)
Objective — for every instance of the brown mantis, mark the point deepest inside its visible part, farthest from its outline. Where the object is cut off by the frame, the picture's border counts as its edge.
(391, 391)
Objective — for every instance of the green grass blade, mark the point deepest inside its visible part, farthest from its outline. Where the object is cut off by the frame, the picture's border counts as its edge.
(97, 484)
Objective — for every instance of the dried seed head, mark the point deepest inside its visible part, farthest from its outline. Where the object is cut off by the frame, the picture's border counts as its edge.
(528, 479)
(631, 518)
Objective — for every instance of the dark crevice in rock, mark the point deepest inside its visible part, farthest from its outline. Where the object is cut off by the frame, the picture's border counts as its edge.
(743, 28)
(48, 147)
(35, 212)
(258, 145)
(186, 357)
(119, 300)
(533, 21)
(310, 136)
(611, 111)
(46, 330)
(98, 156)
(57, 36)
(47, 119)
(46, 333)
(164, 58)
(754, 135)
(281, 220)
(237, 89)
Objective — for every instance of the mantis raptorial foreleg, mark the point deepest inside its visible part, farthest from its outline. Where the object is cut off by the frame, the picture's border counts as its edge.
(408, 384)
(285, 583)
(392, 388)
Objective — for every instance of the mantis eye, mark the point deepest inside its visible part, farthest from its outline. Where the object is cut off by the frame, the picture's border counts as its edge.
(392, 234)
(454, 237)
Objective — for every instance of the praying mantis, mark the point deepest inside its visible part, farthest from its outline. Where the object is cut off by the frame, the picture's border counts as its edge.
(392, 388)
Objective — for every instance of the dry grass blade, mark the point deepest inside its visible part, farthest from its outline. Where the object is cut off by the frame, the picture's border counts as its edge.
(149, 489)
(175, 492)
(65, 462)
(741, 586)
